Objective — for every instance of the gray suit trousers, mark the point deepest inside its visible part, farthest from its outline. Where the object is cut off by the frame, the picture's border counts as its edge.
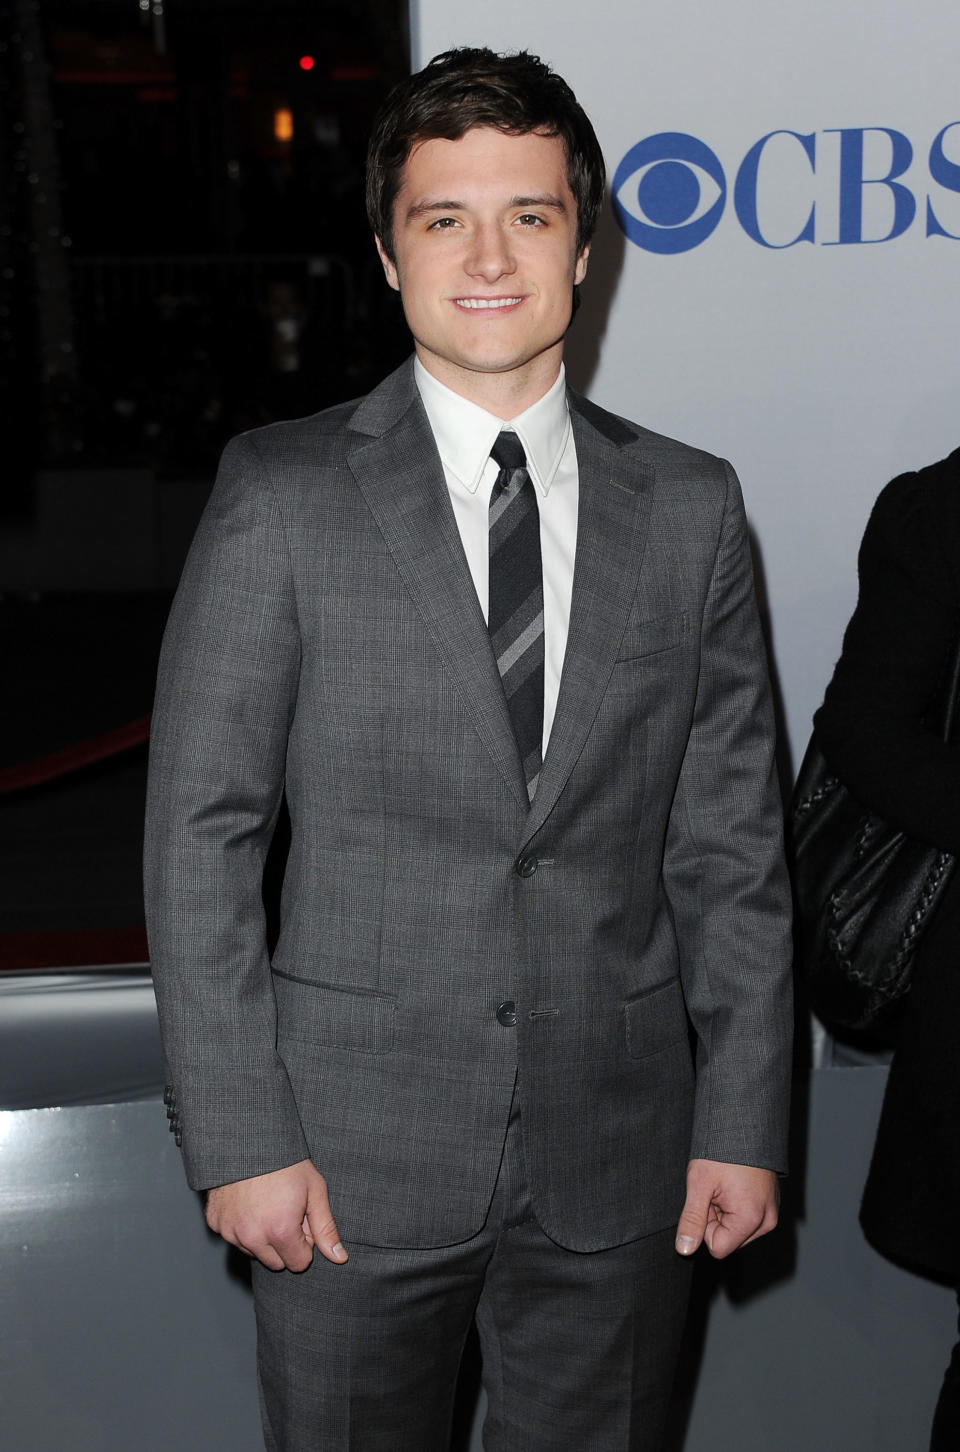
(579, 1348)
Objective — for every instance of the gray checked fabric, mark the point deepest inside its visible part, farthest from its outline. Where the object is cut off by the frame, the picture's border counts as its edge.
(516, 598)
(326, 642)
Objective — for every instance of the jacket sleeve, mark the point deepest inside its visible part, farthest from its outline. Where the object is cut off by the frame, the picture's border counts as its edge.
(226, 695)
(878, 726)
(725, 877)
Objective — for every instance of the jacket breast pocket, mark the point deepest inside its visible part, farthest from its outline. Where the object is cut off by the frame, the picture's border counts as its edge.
(333, 1017)
(655, 1019)
(651, 637)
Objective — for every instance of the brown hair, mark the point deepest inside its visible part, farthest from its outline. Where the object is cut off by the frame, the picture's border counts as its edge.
(469, 87)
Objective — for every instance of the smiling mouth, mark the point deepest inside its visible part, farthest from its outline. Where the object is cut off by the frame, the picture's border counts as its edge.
(487, 304)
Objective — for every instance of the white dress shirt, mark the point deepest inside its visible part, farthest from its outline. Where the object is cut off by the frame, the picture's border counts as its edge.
(465, 434)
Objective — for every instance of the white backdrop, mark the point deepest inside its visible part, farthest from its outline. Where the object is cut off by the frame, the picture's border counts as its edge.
(821, 368)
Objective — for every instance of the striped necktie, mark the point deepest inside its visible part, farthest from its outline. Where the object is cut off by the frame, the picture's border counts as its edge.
(516, 599)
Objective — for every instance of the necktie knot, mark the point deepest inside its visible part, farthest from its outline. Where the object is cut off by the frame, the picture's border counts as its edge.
(507, 452)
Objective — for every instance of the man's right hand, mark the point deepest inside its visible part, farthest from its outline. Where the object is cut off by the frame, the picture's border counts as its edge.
(278, 1218)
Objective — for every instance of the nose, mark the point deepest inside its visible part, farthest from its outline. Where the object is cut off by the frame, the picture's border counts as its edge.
(491, 254)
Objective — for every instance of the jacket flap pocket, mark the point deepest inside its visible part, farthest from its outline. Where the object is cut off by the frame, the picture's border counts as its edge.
(325, 1014)
(655, 1019)
(649, 637)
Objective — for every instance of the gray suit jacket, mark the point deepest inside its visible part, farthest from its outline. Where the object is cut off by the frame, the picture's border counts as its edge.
(327, 640)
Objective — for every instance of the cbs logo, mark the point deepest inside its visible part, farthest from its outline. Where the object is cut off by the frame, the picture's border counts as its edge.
(670, 190)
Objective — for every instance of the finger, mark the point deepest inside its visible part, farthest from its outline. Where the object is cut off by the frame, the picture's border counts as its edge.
(692, 1224)
(721, 1240)
(768, 1223)
(267, 1256)
(323, 1227)
(293, 1247)
(725, 1235)
(326, 1237)
(251, 1245)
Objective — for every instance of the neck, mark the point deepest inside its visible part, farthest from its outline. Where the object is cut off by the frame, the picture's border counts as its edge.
(505, 395)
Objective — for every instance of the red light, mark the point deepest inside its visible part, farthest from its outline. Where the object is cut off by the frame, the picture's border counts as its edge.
(307, 62)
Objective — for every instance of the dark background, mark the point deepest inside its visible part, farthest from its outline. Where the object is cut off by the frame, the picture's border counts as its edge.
(184, 254)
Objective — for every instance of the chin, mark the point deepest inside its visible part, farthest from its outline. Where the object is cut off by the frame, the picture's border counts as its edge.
(495, 365)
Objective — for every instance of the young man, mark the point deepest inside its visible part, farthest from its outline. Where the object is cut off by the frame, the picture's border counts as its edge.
(500, 650)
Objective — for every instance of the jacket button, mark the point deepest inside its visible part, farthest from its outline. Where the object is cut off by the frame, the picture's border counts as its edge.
(507, 1014)
(527, 865)
(168, 1094)
(178, 1137)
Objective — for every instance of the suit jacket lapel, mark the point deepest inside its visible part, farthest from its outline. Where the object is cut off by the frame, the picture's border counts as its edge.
(398, 469)
(612, 527)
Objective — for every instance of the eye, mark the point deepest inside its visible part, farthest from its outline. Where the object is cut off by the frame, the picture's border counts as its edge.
(443, 224)
(669, 192)
(530, 219)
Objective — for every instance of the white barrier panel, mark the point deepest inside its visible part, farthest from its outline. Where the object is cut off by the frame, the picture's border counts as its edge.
(783, 284)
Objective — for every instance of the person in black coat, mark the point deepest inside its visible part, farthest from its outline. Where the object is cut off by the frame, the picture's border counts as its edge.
(878, 732)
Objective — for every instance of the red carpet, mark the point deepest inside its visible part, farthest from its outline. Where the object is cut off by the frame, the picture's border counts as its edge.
(72, 758)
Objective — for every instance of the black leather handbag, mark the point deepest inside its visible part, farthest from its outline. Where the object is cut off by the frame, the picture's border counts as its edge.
(865, 894)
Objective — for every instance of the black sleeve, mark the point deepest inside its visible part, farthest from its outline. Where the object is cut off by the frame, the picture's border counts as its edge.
(879, 725)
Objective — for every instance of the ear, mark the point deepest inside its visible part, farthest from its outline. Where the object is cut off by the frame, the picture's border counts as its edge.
(389, 267)
(580, 266)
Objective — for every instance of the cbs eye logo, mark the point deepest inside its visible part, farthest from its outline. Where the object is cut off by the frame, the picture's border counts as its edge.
(669, 192)
(846, 185)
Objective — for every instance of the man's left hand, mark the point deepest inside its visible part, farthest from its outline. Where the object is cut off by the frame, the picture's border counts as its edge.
(727, 1206)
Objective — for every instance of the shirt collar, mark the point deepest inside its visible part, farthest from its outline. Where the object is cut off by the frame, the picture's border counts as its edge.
(465, 433)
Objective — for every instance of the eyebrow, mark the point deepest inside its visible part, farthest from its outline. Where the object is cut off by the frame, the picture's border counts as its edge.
(428, 205)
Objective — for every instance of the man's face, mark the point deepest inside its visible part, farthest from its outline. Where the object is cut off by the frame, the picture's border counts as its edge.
(484, 233)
